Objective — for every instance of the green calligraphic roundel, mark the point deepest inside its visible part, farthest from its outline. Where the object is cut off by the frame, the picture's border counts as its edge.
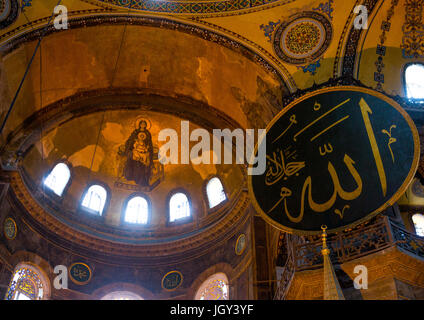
(335, 157)
(80, 273)
(172, 280)
(240, 244)
(9, 228)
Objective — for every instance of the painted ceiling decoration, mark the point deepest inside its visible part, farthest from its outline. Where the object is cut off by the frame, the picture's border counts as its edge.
(192, 7)
(413, 30)
(347, 61)
(9, 11)
(302, 38)
(381, 48)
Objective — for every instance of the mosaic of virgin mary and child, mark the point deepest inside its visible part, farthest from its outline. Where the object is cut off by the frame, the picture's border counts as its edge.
(140, 154)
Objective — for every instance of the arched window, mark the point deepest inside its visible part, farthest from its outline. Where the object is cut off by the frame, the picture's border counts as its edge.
(58, 178)
(214, 288)
(122, 295)
(215, 192)
(137, 210)
(95, 199)
(179, 207)
(414, 75)
(26, 284)
(418, 220)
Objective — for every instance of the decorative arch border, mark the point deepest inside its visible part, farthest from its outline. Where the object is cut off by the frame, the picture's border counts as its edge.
(191, 7)
(38, 264)
(346, 54)
(218, 268)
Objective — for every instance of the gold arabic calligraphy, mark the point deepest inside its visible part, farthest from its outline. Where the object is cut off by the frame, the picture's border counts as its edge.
(322, 207)
(277, 168)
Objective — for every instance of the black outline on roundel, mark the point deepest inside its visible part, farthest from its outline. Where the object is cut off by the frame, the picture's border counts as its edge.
(401, 190)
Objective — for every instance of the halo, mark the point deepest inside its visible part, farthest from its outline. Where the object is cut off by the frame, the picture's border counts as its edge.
(139, 119)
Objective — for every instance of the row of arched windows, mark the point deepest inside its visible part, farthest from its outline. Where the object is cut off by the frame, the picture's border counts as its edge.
(137, 207)
(29, 283)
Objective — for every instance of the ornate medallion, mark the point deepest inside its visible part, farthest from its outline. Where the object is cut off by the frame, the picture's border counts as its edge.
(9, 228)
(80, 273)
(303, 38)
(172, 280)
(240, 244)
(9, 10)
(336, 157)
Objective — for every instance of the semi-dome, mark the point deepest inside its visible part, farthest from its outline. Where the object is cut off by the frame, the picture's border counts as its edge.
(101, 175)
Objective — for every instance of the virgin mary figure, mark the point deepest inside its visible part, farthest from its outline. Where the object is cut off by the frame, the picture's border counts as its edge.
(138, 150)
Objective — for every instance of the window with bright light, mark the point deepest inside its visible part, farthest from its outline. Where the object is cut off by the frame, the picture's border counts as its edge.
(122, 295)
(418, 220)
(215, 192)
(179, 207)
(137, 211)
(95, 199)
(26, 284)
(58, 178)
(213, 288)
(414, 81)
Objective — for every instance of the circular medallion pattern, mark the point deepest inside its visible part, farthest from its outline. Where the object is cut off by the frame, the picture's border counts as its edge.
(172, 280)
(9, 10)
(240, 244)
(9, 228)
(80, 273)
(303, 38)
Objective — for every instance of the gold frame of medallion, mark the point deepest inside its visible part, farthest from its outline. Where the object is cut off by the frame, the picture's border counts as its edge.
(387, 204)
(78, 282)
(16, 228)
(237, 242)
(179, 285)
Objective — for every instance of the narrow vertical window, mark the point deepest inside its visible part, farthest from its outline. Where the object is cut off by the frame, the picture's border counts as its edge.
(414, 75)
(215, 192)
(58, 178)
(418, 220)
(179, 207)
(137, 211)
(95, 199)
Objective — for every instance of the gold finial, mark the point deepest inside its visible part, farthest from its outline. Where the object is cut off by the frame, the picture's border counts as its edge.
(332, 290)
(325, 250)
